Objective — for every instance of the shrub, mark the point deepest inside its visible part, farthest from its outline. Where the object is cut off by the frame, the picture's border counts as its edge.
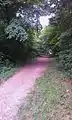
(65, 55)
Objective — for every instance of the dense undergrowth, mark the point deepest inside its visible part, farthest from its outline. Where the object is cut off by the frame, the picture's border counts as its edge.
(7, 69)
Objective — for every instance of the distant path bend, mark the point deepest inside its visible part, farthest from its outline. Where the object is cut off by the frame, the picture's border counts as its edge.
(13, 92)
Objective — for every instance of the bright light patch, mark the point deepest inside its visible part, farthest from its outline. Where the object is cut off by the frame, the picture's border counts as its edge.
(44, 20)
(53, 5)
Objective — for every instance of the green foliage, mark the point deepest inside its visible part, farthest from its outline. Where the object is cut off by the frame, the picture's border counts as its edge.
(9, 2)
(16, 31)
(50, 36)
(60, 35)
(65, 54)
(7, 69)
(43, 47)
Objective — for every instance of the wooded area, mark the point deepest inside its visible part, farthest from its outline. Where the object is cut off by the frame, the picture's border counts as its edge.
(21, 36)
(59, 33)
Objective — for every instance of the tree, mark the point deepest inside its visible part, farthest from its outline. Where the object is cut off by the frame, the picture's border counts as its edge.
(17, 18)
(62, 21)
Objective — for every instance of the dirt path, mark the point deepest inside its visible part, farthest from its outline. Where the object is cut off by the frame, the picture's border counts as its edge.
(13, 92)
(51, 98)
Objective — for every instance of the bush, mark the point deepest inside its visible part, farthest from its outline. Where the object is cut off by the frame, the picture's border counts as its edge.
(65, 55)
(7, 69)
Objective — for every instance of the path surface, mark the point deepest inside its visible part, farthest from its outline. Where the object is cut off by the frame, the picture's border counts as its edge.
(13, 92)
